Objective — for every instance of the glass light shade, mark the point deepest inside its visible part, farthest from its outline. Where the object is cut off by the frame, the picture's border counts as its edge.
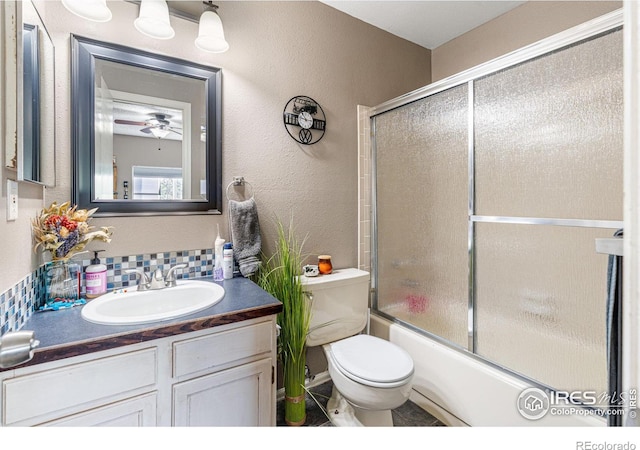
(160, 132)
(153, 20)
(94, 10)
(210, 34)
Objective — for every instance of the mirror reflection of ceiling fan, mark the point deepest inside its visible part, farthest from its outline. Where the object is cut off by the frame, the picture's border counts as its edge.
(158, 125)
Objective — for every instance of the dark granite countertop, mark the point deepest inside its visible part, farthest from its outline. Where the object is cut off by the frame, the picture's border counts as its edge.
(64, 333)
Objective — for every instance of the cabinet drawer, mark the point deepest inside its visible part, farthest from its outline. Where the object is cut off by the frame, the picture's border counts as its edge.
(38, 396)
(220, 349)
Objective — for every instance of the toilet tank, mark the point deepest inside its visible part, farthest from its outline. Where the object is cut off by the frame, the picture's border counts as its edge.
(340, 305)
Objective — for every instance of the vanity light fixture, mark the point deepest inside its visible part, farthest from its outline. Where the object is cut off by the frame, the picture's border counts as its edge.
(210, 33)
(153, 19)
(94, 10)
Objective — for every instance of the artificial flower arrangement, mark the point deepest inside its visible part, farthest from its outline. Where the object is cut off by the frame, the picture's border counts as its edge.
(64, 230)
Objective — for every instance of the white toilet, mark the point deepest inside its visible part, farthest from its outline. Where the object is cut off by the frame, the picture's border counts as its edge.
(371, 376)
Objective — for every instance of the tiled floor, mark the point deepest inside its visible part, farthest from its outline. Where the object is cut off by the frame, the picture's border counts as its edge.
(407, 415)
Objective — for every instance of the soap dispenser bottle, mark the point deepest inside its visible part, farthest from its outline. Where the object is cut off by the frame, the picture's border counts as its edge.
(95, 277)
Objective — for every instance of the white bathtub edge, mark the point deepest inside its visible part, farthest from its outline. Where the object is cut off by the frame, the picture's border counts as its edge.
(456, 387)
(435, 410)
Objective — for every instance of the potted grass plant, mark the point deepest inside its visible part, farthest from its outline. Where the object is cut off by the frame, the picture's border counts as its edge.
(279, 275)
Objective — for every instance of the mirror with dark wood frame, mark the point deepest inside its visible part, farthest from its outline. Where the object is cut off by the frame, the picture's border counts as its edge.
(146, 133)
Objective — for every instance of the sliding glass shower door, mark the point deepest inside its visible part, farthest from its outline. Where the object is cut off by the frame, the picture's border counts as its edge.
(548, 162)
(489, 195)
(422, 187)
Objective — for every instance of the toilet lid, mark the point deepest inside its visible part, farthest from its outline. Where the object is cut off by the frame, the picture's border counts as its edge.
(370, 359)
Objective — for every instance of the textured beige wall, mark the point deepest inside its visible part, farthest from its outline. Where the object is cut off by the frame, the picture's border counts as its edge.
(524, 25)
(18, 258)
(278, 50)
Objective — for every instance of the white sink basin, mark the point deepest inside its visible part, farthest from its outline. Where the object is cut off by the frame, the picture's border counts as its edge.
(137, 307)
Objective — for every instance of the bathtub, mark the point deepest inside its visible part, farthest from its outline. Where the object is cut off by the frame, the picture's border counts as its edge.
(460, 390)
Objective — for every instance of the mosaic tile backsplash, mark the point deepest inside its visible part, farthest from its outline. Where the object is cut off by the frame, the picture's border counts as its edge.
(19, 302)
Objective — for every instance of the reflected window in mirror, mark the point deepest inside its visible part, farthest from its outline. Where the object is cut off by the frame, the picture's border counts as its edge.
(147, 122)
(158, 183)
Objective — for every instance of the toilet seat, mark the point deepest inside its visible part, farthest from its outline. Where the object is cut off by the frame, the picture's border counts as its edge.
(372, 361)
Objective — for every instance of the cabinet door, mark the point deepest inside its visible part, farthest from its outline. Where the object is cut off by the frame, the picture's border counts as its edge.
(134, 412)
(236, 397)
(48, 395)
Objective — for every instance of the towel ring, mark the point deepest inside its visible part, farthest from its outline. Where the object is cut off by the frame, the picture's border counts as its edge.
(239, 181)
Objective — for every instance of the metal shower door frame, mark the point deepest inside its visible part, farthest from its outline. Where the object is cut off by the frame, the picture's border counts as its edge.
(599, 26)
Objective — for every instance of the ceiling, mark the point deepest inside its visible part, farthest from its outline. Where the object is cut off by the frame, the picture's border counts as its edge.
(426, 23)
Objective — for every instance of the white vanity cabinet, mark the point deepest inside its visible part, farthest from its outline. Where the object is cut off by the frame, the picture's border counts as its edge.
(238, 396)
(240, 393)
(133, 412)
(221, 376)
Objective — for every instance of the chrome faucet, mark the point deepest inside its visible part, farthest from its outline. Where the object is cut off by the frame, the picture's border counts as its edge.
(144, 282)
(157, 280)
(170, 279)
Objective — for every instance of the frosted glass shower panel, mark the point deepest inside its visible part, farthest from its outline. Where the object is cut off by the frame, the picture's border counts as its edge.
(541, 302)
(548, 135)
(421, 157)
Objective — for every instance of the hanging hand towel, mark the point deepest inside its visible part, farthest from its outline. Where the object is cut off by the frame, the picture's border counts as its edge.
(245, 235)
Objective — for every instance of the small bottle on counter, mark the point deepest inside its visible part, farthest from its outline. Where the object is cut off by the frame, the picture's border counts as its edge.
(324, 264)
(219, 250)
(227, 261)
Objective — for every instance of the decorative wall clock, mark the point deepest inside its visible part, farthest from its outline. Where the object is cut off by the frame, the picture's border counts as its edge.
(304, 120)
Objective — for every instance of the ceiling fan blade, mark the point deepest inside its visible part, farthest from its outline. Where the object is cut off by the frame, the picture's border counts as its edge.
(129, 122)
(146, 130)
